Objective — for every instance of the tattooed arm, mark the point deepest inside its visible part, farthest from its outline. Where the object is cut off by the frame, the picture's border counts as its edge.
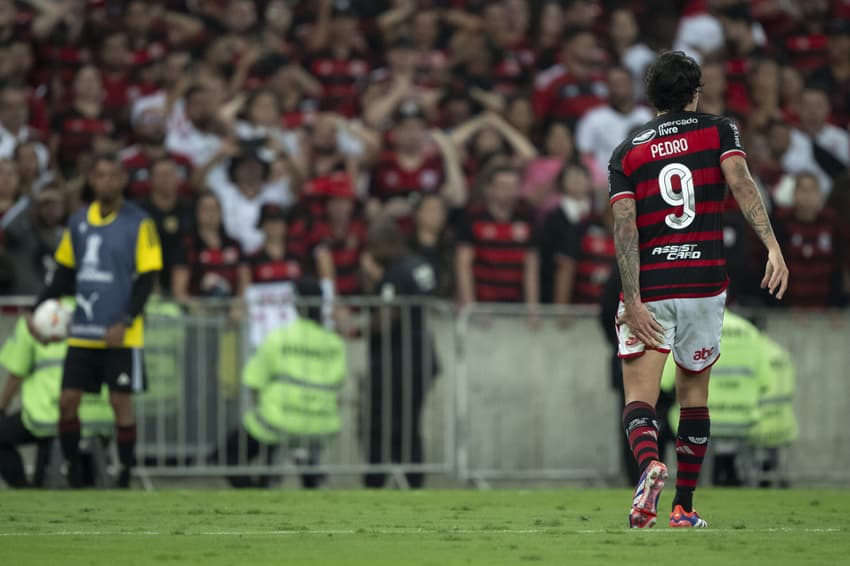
(635, 315)
(628, 252)
(749, 199)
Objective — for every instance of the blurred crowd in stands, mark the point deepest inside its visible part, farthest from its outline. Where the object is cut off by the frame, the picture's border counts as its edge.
(264, 137)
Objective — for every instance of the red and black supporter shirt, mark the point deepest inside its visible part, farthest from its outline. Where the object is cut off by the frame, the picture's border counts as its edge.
(266, 269)
(813, 251)
(213, 272)
(671, 167)
(513, 69)
(567, 98)
(345, 253)
(587, 243)
(341, 80)
(138, 167)
(76, 135)
(500, 249)
(390, 179)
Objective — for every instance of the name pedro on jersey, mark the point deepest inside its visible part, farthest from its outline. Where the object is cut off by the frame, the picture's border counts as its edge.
(669, 147)
(680, 251)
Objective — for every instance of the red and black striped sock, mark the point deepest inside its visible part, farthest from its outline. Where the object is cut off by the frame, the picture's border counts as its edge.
(691, 444)
(69, 440)
(125, 437)
(642, 431)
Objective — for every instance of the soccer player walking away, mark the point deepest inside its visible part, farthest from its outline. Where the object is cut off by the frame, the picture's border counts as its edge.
(666, 190)
(108, 256)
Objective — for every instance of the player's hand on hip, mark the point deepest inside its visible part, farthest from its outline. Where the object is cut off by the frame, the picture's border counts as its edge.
(114, 337)
(642, 324)
(775, 274)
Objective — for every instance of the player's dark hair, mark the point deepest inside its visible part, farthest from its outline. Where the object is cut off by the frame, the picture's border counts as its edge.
(672, 81)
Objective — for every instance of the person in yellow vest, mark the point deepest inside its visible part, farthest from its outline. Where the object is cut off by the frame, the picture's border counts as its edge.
(749, 395)
(35, 369)
(297, 373)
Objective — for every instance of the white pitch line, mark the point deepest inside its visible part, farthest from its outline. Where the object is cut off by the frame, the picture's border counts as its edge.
(296, 532)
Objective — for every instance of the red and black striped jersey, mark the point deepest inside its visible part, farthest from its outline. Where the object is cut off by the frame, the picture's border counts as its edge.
(345, 253)
(671, 167)
(814, 254)
(391, 179)
(265, 269)
(500, 248)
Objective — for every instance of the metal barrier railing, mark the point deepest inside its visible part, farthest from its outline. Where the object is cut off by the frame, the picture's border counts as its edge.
(493, 403)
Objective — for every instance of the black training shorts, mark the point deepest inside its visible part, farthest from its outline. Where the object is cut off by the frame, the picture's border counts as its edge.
(89, 368)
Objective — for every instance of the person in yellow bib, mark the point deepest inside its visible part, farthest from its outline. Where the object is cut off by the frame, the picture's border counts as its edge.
(35, 370)
(109, 256)
(296, 373)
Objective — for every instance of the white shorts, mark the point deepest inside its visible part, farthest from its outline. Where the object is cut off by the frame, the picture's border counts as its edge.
(692, 329)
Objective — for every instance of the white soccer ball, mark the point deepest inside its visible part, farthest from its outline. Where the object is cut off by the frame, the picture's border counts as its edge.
(51, 319)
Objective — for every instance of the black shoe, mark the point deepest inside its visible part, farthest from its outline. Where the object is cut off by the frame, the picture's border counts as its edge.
(123, 479)
(75, 476)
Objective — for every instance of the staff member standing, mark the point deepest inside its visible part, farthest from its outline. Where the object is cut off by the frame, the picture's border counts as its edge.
(110, 253)
(402, 359)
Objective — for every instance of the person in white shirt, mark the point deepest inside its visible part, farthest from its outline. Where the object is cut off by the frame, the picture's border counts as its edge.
(817, 145)
(191, 126)
(602, 129)
(243, 191)
(14, 128)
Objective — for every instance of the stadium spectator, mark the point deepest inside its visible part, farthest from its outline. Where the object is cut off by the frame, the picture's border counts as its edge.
(338, 151)
(171, 215)
(115, 62)
(243, 191)
(297, 90)
(538, 185)
(397, 83)
(741, 39)
(14, 122)
(261, 127)
(602, 129)
(834, 77)
(712, 99)
(487, 139)
(85, 128)
(343, 235)
(627, 48)
(272, 262)
(817, 145)
(432, 240)
(574, 86)
(415, 165)
(402, 357)
(812, 239)
(193, 127)
(577, 250)
(32, 236)
(148, 128)
(9, 186)
(338, 56)
(33, 168)
(496, 259)
(207, 263)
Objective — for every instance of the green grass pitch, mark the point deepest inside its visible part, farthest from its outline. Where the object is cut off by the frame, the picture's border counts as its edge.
(571, 526)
